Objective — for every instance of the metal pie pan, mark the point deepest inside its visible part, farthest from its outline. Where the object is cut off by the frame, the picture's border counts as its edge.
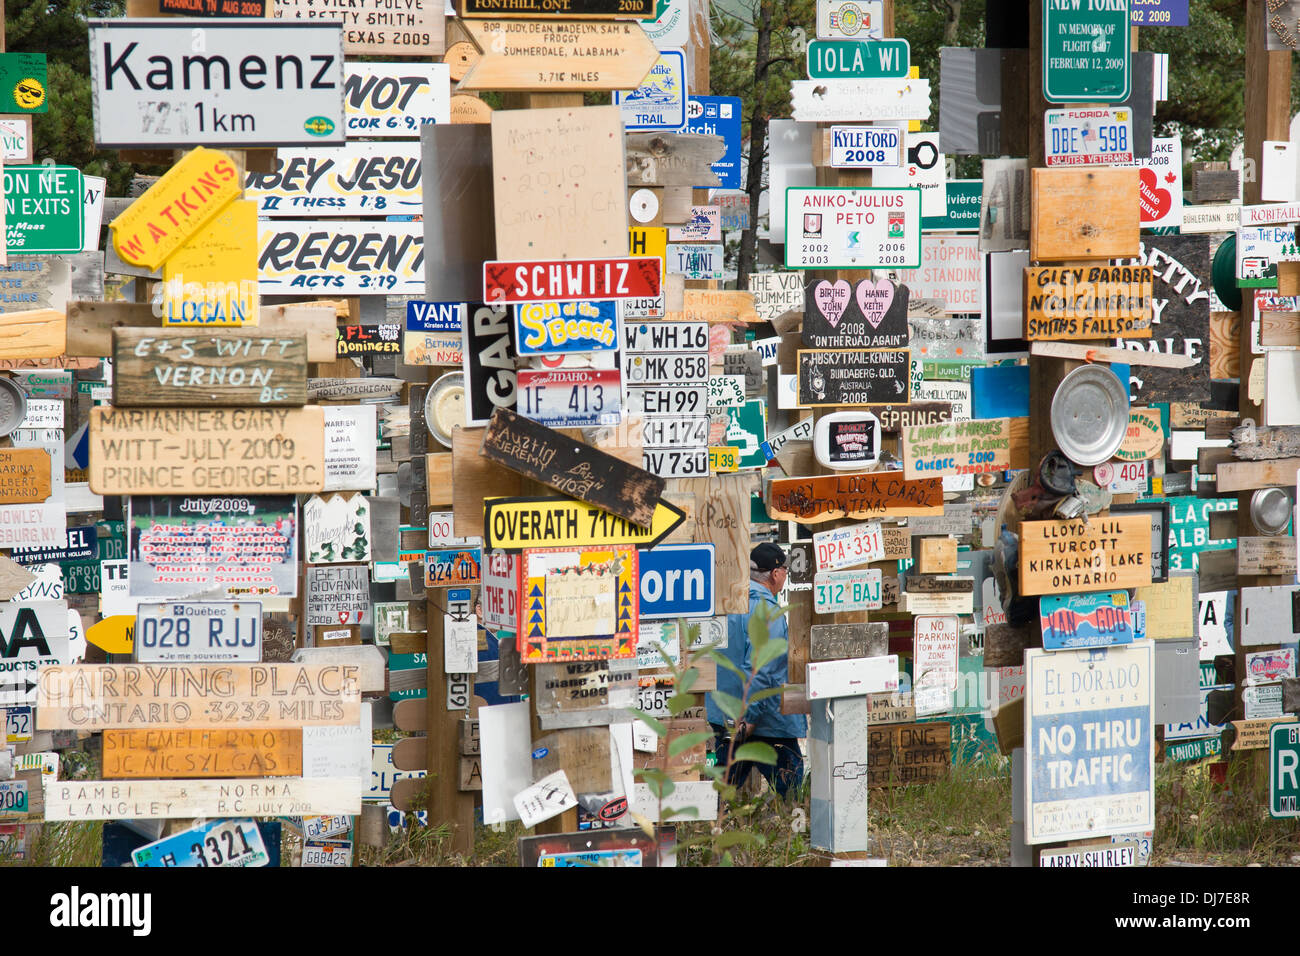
(444, 388)
(13, 406)
(1090, 415)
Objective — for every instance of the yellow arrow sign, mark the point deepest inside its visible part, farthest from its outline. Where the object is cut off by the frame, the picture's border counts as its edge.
(174, 208)
(113, 635)
(512, 524)
(559, 56)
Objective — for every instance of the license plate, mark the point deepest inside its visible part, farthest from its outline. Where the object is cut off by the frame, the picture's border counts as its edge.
(652, 695)
(316, 827)
(592, 858)
(1122, 477)
(658, 431)
(327, 853)
(217, 843)
(453, 568)
(724, 458)
(837, 591)
(13, 797)
(18, 724)
(674, 368)
(198, 631)
(649, 307)
(667, 336)
(677, 463)
(652, 400)
(570, 397)
(1078, 137)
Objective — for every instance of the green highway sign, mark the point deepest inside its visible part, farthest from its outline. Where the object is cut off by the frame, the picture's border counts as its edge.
(1193, 749)
(43, 209)
(1087, 54)
(1284, 770)
(858, 59)
(965, 197)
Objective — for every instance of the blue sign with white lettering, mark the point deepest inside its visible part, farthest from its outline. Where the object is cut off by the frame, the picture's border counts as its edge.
(545, 328)
(719, 116)
(677, 581)
(434, 316)
(1159, 13)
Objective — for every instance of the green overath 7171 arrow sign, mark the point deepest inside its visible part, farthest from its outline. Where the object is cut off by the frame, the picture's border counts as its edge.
(858, 59)
(1087, 54)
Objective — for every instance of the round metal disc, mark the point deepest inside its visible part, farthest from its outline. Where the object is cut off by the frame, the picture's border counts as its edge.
(1270, 510)
(13, 406)
(444, 406)
(1089, 415)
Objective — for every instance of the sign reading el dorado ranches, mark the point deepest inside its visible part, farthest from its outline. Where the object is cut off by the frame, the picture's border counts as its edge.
(1109, 551)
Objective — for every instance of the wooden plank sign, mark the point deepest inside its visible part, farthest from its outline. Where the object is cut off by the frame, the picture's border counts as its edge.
(965, 448)
(33, 334)
(560, 9)
(1109, 552)
(189, 450)
(175, 207)
(560, 55)
(1088, 302)
(24, 476)
(539, 158)
(575, 469)
(853, 377)
(214, 696)
(174, 753)
(171, 799)
(187, 367)
(825, 498)
(1084, 213)
(418, 30)
(513, 524)
(900, 754)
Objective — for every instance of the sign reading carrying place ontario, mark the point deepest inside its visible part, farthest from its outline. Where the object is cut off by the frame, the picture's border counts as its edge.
(1087, 56)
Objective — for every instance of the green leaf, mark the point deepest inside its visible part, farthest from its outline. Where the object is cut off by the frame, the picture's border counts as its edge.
(692, 812)
(660, 784)
(652, 722)
(723, 660)
(739, 837)
(765, 694)
(687, 741)
(680, 702)
(687, 680)
(768, 653)
(757, 752)
(728, 704)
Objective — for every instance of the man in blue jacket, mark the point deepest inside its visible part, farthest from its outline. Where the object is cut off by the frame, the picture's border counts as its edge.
(762, 721)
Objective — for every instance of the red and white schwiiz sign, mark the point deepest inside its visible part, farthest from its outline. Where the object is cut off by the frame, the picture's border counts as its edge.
(570, 280)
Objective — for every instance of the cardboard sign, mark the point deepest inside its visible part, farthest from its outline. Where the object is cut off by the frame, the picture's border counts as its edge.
(1104, 554)
(268, 84)
(1088, 302)
(609, 55)
(513, 524)
(102, 696)
(359, 179)
(395, 99)
(964, 448)
(370, 26)
(847, 228)
(571, 280)
(580, 471)
(578, 604)
(340, 258)
(166, 799)
(853, 377)
(866, 314)
(175, 367)
(533, 153)
(44, 209)
(1076, 621)
(825, 498)
(175, 207)
(203, 450)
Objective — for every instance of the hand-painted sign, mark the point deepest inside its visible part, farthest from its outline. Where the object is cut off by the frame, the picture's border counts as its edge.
(962, 448)
(371, 26)
(858, 59)
(336, 596)
(853, 377)
(562, 55)
(395, 99)
(198, 632)
(578, 604)
(1089, 768)
(866, 314)
(143, 754)
(560, 9)
(260, 83)
(1103, 554)
(212, 278)
(24, 84)
(44, 209)
(171, 799)
(490, 378)
(1081, 137)
(176, 367)
(550, 327)
(514, 524)
(340, 258)
(659, 103)
(1087, 56)
(848, 228)
(1074, 621)
(814, 500)
(571, 280)
(676, 580)
(359, 179)
(1088, 302)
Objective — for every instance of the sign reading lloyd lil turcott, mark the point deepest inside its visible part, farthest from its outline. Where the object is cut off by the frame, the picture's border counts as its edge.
(1108, 552)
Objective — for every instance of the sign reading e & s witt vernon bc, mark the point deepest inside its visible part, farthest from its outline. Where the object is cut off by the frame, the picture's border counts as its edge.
(175, 366)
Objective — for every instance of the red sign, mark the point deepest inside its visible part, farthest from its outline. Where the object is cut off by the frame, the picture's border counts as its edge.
(571, 280)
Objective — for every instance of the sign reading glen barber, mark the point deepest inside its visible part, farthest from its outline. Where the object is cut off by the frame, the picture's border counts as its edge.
(161, 83)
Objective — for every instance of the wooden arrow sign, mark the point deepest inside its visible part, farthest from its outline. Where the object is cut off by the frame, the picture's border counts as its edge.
(673, 159)
(558, 55)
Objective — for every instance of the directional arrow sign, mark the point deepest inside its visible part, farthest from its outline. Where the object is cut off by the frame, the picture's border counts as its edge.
(858, 59)
(512, 524)
(559, 55)
(852, 101)
(17, 690)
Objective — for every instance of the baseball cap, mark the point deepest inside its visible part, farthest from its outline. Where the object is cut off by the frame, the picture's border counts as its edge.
(765, 557)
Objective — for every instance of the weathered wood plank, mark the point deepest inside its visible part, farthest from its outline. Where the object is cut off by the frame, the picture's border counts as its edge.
(174, 799)
(1260, 443)
(1084, 214)
(1248, 475)
(208, 367)
(1105, 353)
(673, 159)
(34, 334)
(174, 753)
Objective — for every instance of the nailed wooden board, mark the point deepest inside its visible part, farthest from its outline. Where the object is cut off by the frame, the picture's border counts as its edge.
(35, 334)
(411, 753)
(1225, 333)
(13, 577)
(1084, 213)
(1275, 328)
(1255, 443)
(100, 696)
(1112, 551)
(1102, 353)
(717, 511)
(900, 754)
(176, 753)
(173, 799)
(673, 159)
(411, 716)
(835, 642)
(420, 30)
(202, 367)
(715, 305)
(965, 448)
(572, 468)
(581, 752)
(367, 661)
(1087, 302)
(1217, 570)
(565, 55)
(1260, 555)
(475, 478)
(24, 475)
(187, 450)
(825, 498)
(1248, 475)
(558, 186)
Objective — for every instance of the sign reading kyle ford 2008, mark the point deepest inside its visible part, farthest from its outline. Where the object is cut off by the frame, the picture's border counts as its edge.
(171, 83)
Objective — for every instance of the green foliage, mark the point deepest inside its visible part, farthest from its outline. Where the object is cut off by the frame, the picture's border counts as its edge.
(755, 752)
(1207, 69)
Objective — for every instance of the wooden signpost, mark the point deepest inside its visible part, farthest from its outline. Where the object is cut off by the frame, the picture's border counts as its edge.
(172, 799)
(1088, 302)
(550, 55)
(175, 753)
(179, 367)
(825, 498)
